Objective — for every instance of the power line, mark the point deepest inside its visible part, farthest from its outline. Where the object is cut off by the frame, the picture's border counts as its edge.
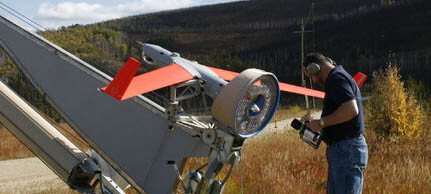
(21, 18)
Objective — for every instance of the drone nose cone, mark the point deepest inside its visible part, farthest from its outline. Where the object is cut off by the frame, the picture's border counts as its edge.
(147, 47)
(153, 54)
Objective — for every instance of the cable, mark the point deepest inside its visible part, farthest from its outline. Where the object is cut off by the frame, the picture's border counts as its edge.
(34, 22)
(102, 190)
(240, 172)
(237, 182)
(20, 18)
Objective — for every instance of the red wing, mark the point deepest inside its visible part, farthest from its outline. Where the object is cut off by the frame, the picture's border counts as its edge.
(126, 86)
(229, 75)
(301, 90)
(360, 79)
(225, 74)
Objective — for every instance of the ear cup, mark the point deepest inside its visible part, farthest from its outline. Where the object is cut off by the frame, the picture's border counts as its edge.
(313, 68)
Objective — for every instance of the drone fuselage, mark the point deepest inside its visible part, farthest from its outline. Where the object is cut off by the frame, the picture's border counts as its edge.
(211, 83)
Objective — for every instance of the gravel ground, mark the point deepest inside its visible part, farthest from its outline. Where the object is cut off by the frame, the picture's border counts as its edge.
(29, 175)
(280, 126)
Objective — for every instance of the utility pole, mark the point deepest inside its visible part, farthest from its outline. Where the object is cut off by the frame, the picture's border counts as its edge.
(312, 23)
(303, 83)
(303, 80)
(302, 31)
(312, 29)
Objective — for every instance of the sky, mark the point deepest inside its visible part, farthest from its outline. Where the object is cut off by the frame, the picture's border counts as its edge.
(53, 14)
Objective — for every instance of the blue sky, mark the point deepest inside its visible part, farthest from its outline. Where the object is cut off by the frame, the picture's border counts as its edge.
(57, 13)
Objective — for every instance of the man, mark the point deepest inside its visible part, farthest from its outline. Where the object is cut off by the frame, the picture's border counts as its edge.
(341, 125)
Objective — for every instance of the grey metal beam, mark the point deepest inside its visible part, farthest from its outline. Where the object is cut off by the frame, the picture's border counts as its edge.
(132, 136)
(40, 136)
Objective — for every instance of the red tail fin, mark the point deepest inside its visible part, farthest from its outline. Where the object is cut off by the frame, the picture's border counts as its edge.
(360, 79)
(126, 85)
(122, 80)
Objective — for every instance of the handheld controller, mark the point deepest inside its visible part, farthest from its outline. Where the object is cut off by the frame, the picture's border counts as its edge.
(306, 134)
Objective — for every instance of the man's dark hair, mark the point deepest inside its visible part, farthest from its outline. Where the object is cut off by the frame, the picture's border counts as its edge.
(315, 58)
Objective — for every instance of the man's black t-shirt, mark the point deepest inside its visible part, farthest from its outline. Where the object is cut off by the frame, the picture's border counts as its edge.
(339, 88)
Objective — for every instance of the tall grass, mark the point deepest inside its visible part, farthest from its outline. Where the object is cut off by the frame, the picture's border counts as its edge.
(289, 112)
(10, 147)
(282, 163)
(398, 166)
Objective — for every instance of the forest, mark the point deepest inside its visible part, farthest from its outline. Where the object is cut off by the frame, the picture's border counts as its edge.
(362, 35)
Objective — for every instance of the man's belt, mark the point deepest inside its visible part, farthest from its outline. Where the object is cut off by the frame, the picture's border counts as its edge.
(334, 141)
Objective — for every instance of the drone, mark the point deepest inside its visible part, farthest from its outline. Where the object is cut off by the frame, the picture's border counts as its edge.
(134, 140)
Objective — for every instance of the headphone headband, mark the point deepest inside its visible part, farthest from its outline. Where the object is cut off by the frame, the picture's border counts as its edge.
(314, 68)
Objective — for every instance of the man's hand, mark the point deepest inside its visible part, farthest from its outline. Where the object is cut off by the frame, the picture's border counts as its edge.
(314, 125)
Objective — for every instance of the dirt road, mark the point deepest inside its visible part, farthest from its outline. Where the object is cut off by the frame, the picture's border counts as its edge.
(28, 175)
(280, 126)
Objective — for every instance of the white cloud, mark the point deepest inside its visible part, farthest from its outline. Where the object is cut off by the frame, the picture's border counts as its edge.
(68, 13)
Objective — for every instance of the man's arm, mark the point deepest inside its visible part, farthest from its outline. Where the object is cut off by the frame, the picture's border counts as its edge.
(347, 111)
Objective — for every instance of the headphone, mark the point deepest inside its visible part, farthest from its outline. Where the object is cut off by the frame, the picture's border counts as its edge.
(314, 68)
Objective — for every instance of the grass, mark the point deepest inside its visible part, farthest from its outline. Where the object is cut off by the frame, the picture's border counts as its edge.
(282, 163)
(10, 147)
(398, 167)
(290, 112)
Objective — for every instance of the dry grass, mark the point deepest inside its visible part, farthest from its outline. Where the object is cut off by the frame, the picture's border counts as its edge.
(398, 166)
(277, 163)
(282, 163)
(11, 147)
(291, 112)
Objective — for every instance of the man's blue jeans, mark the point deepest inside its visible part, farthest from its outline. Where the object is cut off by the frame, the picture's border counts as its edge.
(347, 160)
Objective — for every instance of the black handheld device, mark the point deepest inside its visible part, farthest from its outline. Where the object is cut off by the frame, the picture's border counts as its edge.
(306, 134)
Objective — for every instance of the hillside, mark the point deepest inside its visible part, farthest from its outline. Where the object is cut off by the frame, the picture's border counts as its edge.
(359, 34)
(363, 35)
